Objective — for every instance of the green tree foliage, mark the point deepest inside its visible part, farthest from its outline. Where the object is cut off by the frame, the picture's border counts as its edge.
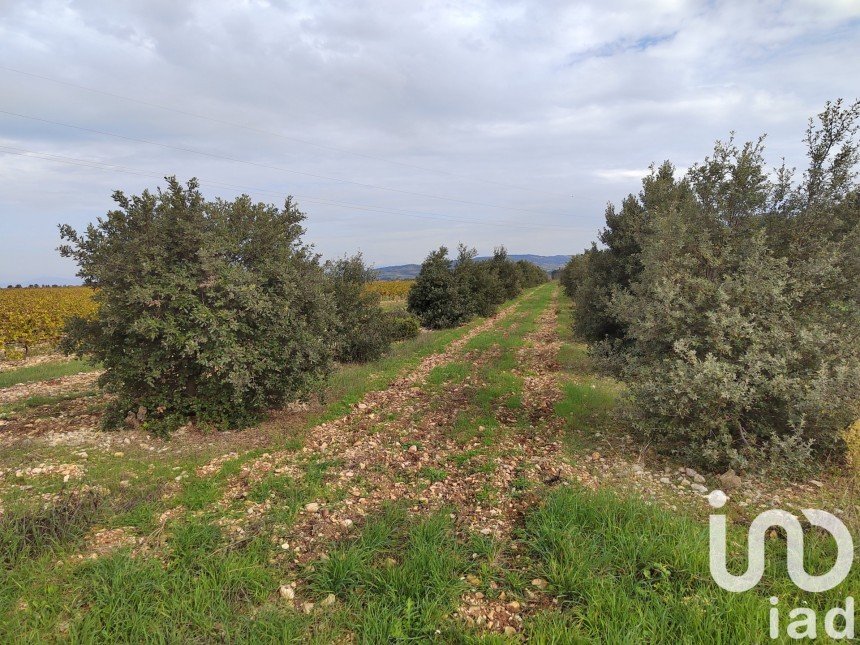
(506, 273)
(739, 305)
(530, 274)
(401, 325)
(362, 333)
(477, 283)
(571, 275)
(448, 293)
(434, 297)
(617, 263)
(210, 311)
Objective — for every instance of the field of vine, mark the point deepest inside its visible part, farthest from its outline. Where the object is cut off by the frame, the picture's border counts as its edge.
(30, 317)
(391, 289)
(35, 316)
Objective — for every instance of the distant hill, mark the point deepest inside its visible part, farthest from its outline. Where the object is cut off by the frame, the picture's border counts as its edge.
(398, 272)
(409, 271)
(546, 262)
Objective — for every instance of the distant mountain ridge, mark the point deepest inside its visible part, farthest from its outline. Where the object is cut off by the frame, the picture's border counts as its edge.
(409, 271)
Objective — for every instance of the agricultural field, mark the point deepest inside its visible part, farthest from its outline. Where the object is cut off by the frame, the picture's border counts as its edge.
(473, 485)
(391, 289)
(34, 317)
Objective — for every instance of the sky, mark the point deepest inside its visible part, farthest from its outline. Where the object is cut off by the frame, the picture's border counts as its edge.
(398, 126)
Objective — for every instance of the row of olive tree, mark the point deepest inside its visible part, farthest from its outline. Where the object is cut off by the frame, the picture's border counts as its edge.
(448, 292)
(729, 301)
(215, 311)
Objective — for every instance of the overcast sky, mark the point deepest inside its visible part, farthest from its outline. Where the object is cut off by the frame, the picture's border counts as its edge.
(398, 125)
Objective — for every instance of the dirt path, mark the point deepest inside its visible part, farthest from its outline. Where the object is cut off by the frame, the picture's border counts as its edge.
(400, 445)
(373, 441)
(50, 388)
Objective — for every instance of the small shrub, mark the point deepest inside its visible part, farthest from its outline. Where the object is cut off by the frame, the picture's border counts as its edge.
(434, 296)
(401, 325)
(506, 273)
(477, 283)
(361, 331)
(530, 274)
(447, 294)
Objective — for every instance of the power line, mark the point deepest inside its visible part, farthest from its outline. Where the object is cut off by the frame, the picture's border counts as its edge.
(271, 167)
(98, 165)
(251, 128)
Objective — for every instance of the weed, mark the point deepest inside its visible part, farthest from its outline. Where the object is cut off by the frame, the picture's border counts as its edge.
(622, 567)
(400, 598)
(30, 532)
(433, 474)
(45, 371)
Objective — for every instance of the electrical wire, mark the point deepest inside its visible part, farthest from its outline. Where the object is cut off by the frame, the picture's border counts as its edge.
(98, 165)
(251, 128)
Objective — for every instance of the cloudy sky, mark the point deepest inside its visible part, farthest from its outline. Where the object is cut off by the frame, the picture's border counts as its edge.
(398, 125)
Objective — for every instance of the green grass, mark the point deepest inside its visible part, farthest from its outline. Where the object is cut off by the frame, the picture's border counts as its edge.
(398, 581)
(588, 400)
(8, 410)
(26, 533)
(434, 474)
(454, 372)
(627, 572)
(199, 492)
(44, 372)
(204, 592)
(586, 406)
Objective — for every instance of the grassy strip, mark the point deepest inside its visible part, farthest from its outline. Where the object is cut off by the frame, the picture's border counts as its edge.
(398, 581)
(588, 400)
(44, 372)
(497, 399)
(625, 571)
(348, 385)
(201, 592)
(8, 410)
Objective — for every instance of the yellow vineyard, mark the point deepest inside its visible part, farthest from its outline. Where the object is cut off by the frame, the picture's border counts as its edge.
(390, 289)
(31, 317)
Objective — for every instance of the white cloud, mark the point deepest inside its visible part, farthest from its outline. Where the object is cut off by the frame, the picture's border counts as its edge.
(561, 98)
(621, 174)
